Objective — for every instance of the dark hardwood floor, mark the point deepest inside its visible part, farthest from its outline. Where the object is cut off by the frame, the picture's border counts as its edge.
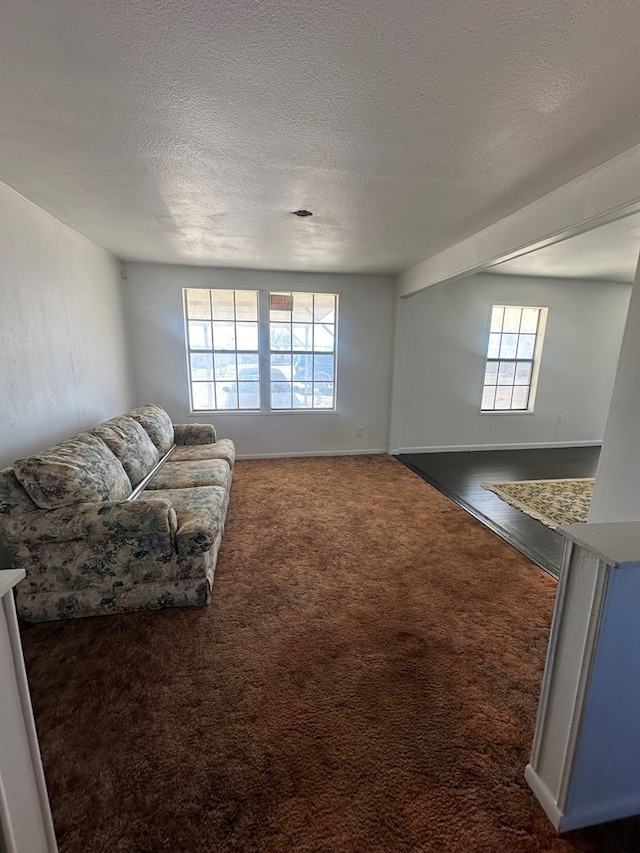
(459, 475)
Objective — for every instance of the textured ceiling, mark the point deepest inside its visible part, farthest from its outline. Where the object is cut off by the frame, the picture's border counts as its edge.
(608, 253)
(186, 131)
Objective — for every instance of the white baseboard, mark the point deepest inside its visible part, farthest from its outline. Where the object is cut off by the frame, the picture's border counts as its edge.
(306, 453)
(544, 796)
(454, 448)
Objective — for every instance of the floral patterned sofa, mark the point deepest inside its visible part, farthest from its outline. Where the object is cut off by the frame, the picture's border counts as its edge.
(127, 516)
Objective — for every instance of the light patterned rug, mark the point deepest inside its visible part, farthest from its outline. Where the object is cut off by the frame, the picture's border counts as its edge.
(553, 502)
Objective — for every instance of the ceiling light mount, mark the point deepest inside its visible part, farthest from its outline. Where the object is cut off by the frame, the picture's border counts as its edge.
(302, 213)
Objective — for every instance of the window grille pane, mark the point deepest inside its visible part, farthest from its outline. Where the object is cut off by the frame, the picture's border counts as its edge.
(494, 346)
(201, 365)
(227, 395)
(303, 395)
(488, 397)
(302, 307)
(324, 338)
(491, 373)
(225, 366)
(512, 319)
(323, 367)
(506, 372)
(280, 305)
(508, 346)
(520, 399)
(324, 308)
(224, 336)
(523, 373)
(303, 369)
(526, 346)
(281, 365)
(281, 395)
(247, 305)
(302, 336)
(247, 335)
(199, 335)
(280, 336)
(203, 395)
(248, 360)
(198, 304)
(249, 395)
(530, 318)
(223, 303)
(497, 316)
(323, 395)
(503, 397)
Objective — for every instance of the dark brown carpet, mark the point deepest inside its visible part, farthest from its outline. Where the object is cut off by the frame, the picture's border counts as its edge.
(366, 679)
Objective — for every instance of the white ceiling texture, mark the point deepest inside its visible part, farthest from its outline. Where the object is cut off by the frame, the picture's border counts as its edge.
(608, 253)
(187, 132)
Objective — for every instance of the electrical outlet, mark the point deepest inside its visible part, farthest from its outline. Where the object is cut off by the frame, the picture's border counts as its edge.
(360, 431)
(560, 419)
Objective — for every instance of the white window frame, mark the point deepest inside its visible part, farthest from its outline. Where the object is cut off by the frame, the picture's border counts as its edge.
(264, 353)
(533, 361)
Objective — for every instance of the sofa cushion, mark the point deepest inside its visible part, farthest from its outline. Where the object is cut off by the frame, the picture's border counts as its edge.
(222, 449)
(185, 475)
(74, 471)
(130, 443)
(158, 425)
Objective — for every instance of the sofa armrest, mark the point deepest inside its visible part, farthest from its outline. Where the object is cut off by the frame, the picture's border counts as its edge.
(95, 520)
(194, 433)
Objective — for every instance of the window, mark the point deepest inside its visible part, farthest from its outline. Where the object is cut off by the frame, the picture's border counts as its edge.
(302, 341)
(245, 347)
(222, 342)
(513, 358)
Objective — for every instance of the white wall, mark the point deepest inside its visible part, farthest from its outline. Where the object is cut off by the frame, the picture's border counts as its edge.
(365, 329)
(64, 361)
(442, 339)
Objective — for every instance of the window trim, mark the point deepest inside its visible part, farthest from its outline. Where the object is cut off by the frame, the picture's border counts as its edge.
(535, 360)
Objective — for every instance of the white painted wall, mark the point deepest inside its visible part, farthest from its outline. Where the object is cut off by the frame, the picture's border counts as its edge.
(365, 330)
(617, 489)
(64, 353)
(442, 337)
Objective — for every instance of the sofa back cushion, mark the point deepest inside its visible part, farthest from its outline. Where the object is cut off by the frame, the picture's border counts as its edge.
(130, 443)
(158, 425)
(75, 471)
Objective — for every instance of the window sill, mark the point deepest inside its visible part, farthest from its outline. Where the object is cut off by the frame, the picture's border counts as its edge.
(225, 413)
(507, 412)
